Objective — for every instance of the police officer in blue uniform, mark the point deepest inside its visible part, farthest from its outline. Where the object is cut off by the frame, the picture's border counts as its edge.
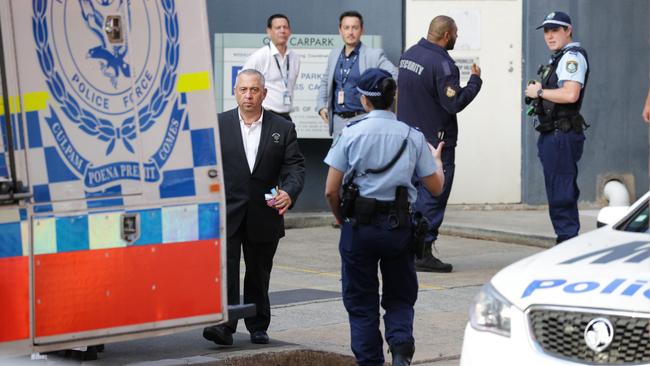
(556, 103)
(376, 158)
(429, 98)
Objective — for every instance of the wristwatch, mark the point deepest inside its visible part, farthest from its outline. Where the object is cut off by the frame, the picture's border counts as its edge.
(540, 92)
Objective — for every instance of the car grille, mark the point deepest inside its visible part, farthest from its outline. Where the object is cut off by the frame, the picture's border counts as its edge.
(560, 333)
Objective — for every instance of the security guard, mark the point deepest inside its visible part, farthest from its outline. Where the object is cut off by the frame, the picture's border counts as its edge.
(429, 98)
(557, 102)
(376, 158)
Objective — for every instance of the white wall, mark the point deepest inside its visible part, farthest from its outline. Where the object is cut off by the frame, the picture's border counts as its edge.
(488, 156)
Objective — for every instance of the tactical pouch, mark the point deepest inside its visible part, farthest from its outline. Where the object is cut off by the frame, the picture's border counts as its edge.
(364, 210)
(578, 123)
(544, 127)
(402, 206)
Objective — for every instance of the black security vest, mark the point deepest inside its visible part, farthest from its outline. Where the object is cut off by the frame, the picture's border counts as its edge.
(554, 111)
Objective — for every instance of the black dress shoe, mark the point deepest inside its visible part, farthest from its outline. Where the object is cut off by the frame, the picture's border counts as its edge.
(219, 334)
(259, 337)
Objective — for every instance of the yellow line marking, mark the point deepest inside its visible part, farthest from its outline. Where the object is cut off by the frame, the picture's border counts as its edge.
(310, 271)
(422, 286)
(193, 81)
(430, 287)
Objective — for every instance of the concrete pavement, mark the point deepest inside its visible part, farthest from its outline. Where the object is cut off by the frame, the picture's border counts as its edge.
(518, 224)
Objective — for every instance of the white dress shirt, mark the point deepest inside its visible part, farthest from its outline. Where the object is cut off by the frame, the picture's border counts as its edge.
(251, 138)
(264, 61)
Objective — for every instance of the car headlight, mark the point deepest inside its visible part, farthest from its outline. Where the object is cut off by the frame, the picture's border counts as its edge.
(490, 312)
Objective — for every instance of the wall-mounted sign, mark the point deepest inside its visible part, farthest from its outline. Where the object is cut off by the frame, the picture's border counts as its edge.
(232, 49)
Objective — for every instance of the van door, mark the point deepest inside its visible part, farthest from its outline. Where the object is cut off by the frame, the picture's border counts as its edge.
(126, 218)
(15, 330)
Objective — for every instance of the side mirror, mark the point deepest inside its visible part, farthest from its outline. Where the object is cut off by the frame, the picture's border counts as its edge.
(611, 214)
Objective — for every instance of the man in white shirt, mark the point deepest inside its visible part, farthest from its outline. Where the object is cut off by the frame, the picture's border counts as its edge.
(260, 155)
(279, 65)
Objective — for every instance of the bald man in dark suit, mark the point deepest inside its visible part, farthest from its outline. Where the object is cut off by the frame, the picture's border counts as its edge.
(259, 152)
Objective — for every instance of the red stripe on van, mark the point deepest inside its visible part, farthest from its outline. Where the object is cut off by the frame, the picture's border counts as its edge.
(14, 298)
(96, 289)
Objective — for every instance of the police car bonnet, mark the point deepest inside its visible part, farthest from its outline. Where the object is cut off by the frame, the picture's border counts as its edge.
(556, 19)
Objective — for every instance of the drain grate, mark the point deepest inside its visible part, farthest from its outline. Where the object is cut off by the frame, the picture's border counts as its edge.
(300, 295)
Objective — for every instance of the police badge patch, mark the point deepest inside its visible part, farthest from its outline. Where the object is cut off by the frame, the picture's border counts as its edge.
(450, 92)
(572, 66)
(102, 102)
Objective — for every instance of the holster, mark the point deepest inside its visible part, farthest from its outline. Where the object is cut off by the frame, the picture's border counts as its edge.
(420, 229)
(348, 200)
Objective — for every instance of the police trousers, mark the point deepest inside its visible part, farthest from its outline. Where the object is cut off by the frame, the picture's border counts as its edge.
(432, 207)
(363, 247)
(559, 153)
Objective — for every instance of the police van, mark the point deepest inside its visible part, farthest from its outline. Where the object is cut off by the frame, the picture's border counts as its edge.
(111, 193)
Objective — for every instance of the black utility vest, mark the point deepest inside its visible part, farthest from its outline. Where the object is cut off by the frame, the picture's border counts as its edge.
(554, 111)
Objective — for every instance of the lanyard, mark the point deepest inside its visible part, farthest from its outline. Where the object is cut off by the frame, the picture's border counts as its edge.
(346, 73)
(285, 79)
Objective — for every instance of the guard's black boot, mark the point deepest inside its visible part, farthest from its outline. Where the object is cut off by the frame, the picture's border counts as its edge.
(429, 263)
(402, 354)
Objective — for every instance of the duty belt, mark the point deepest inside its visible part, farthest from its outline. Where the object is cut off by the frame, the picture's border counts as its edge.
(347, 115)
(366, 209)
(574, 123)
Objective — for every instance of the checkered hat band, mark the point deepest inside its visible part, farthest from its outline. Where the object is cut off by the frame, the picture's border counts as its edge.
(369, 93)
(551, 21)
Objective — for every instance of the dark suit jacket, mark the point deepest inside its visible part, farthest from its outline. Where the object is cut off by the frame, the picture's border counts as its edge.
(278, 162)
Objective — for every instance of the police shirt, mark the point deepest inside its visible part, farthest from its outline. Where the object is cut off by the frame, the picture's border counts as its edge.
(572, 66)
(370, 144)
(430, 94)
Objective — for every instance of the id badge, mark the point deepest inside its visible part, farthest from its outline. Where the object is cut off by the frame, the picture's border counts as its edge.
(286, 98)
(340, 99)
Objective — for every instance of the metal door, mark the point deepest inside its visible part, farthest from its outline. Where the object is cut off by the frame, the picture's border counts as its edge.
(488, 156)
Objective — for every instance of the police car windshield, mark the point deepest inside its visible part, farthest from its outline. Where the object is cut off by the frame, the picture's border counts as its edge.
(638, 222)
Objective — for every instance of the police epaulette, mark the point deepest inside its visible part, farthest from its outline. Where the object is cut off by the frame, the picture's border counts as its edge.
(574, 50)
(352, 123)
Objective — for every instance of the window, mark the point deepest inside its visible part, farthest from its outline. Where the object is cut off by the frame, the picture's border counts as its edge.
(638, 222)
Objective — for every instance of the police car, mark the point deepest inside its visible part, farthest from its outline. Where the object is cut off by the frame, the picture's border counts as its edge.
(586, 301)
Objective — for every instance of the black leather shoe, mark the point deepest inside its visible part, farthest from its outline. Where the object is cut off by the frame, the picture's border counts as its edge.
(402, 354)
(259, 337)
(219, 334)
(429, 263)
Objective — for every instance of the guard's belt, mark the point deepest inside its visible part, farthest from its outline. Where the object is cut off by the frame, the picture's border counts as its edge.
(574, 123)
(348, 115)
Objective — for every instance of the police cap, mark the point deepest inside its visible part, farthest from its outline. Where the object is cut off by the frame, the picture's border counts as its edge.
(370, 82)
(556, 19)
